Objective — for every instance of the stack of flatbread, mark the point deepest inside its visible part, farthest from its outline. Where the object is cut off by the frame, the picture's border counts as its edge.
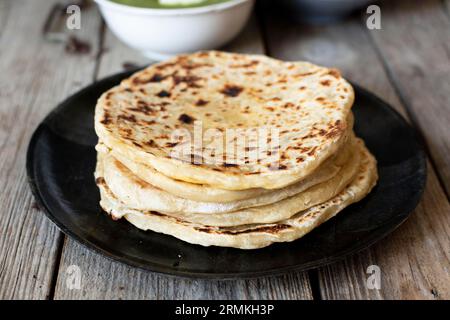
(230, 150)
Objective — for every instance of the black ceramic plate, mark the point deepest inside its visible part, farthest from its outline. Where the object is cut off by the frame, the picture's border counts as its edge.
(60, 165)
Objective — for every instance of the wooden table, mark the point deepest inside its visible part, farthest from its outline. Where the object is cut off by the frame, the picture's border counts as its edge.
(407, 63)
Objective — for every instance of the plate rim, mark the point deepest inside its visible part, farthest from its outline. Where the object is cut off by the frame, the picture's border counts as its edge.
(181, 273)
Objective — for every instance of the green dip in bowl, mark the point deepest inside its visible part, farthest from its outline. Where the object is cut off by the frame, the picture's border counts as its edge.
(155, 4)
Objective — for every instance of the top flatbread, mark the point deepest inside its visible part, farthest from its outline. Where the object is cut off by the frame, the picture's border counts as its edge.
(304, 105)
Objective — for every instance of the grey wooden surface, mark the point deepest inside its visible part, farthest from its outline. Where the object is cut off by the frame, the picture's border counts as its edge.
(353, 49)
(406, 63)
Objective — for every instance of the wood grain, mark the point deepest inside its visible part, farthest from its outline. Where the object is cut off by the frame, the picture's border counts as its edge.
(35, 76)
(417, 58)
(117, 57)
(4, 10)
(414, 260)
(105, 279)
(406, 63)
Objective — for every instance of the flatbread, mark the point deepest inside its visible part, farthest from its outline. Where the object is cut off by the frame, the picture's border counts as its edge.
(248, 236)
(206, 193)
(279, 204)
(304, 105)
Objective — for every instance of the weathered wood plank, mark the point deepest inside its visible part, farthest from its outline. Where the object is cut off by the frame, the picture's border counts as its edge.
(4, 10)
(446, 4)
(35, 76)
(104, 279)
(249, 41)
(414, 260)
(117, 57)
(415, 44)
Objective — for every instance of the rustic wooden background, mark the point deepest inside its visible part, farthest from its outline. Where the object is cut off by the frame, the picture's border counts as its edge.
(407, 63)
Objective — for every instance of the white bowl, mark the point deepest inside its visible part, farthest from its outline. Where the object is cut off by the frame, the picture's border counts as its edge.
(162, 33)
